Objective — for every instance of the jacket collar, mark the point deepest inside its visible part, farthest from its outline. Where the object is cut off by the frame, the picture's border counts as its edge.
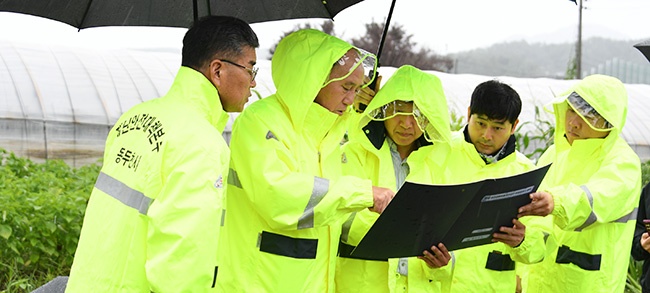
(193, 88)
(318, 122)
(504, 152)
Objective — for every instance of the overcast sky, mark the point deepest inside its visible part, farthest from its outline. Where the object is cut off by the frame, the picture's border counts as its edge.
(444, 26)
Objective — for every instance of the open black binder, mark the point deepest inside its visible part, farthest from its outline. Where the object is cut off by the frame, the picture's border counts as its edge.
(459, 216)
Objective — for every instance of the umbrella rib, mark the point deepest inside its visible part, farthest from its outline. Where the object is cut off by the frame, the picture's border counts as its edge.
(195, 6)
(83, 18)
(385, 33)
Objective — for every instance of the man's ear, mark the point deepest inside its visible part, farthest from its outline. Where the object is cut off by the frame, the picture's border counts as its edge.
(214, 72)
(468, 115)
(514, 126)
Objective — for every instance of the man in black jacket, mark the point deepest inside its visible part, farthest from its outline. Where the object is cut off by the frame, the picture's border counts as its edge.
(641, 244)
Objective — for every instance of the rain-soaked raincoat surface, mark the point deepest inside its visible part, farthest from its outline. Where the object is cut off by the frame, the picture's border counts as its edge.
(596, 184)
(287, 196)
(152, 222)
(488, 268)
(369, 156)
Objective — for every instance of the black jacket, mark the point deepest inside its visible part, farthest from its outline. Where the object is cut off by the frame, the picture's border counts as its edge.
(637, 251)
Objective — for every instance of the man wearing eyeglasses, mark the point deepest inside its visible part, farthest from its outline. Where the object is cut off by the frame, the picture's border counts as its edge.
(287, 196)
(591, 193)
(153, 219)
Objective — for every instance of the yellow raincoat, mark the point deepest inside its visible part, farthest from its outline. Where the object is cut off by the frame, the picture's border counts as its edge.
(485, 268)
(369, 156)
(596, 184)
(152, 222)
(287, 197)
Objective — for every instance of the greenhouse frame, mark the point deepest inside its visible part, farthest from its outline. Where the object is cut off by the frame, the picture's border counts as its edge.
(59, 102)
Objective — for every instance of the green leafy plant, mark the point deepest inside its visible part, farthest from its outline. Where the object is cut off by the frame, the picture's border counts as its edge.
(534, 137)
(632, 284)
(40, 219)
(457, 121)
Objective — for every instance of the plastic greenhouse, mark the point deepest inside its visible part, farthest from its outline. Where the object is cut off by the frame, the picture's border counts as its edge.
(60, 102)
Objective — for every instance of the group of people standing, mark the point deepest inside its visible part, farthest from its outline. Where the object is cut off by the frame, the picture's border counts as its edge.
(281, 207)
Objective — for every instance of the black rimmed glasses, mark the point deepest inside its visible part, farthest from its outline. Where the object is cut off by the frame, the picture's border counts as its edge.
(252, 72)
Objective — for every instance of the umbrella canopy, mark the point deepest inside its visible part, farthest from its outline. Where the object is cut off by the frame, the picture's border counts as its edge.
(644, 47)
(171, 13)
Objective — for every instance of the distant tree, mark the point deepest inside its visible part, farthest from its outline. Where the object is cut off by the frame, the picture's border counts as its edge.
(399, 49)
(326, 27)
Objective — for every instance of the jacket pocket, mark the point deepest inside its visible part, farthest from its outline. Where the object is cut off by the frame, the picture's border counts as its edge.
(288, 246)
(345, 251)
(497, 261)
(588, 262)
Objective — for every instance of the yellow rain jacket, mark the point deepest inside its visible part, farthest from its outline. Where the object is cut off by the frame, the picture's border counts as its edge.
(369, 156)
(596, 184)
(152, 221)
(485, 268)
(287, 197)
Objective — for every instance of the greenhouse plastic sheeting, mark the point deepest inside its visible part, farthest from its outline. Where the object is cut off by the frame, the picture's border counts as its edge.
(60, 102)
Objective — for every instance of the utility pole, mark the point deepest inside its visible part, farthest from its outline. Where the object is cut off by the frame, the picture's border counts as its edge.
(579, 45)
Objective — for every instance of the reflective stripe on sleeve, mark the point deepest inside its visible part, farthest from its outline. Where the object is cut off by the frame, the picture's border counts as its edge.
(123, 193)
(630, 216)
(321, 186)
(592, 216)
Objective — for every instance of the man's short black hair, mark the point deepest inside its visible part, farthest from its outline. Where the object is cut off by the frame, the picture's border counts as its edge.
(216, 37)
(496, 100)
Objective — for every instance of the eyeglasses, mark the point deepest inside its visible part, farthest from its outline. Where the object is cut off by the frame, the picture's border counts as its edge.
(252, 72)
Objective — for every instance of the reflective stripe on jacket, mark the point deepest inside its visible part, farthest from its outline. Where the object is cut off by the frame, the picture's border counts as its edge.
(365, 160)
(596, 184)
(489, 267)
(152, 221)
(287, 197)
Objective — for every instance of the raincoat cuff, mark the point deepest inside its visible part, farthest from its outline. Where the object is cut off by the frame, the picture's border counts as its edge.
(365, 196)
(437, 274)
(531, 249)
(559, 212)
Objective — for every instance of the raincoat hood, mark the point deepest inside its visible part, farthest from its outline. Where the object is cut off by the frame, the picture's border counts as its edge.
(607, 95)
(301, 65)
(425, 90)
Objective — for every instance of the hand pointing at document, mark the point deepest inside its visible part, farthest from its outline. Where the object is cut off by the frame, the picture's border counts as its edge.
(542, 204)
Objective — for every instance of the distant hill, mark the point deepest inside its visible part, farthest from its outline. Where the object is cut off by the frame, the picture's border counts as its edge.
(524, 59)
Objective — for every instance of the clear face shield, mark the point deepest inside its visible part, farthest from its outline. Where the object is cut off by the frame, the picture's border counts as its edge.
(588, 113)
(352, 61)
(399, 107)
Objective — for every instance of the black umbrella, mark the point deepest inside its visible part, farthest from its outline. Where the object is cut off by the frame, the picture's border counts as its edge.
(385, 31)
(644, 47)
(382, 40)
(88, 13)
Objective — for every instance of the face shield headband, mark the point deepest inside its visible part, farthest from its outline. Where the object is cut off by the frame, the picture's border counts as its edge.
(398, 107)
(588, 113)
(363, 58)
